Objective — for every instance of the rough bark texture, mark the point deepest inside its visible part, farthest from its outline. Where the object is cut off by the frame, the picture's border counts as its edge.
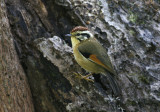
(128, 29)
(15, 93)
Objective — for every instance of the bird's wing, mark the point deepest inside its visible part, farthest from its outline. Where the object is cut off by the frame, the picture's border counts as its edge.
(94, 51)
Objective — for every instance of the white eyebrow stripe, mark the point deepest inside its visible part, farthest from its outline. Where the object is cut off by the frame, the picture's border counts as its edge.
(88, 32)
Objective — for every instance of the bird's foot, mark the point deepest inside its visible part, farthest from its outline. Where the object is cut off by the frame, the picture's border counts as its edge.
(78, 75)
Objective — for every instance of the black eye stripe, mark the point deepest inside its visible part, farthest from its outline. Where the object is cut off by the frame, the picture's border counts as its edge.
(86, 35)
(78, 34)
(81, 35)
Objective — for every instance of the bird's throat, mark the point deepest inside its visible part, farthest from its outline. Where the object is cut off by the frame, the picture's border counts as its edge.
(74, 41)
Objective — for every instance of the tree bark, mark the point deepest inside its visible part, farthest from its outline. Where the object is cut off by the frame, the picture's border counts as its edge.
(15, 95)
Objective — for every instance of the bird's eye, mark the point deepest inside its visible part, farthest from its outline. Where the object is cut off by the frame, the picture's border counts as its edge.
(78, 34)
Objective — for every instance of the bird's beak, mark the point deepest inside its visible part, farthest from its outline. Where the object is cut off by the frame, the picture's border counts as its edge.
(68, 35)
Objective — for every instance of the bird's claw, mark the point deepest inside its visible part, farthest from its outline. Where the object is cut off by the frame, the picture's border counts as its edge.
(78, 75)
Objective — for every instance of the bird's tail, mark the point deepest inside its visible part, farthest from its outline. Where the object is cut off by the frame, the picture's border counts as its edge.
(113, 83)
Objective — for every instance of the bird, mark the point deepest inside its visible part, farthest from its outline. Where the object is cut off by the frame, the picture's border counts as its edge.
(92, 56)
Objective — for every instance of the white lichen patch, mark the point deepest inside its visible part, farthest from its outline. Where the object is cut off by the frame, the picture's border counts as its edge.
(153, 70)
(155, 89)
(72, 106)
(110, 19)
(60, 45)
(56, 51)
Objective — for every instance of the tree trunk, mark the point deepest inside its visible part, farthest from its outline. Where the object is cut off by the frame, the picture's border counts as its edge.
(15, 95)
(33, 45)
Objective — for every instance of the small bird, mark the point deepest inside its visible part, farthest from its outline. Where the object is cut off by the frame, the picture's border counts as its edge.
(91, 56)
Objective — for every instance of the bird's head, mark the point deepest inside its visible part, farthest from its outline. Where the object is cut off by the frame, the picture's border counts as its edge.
(79, 34)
